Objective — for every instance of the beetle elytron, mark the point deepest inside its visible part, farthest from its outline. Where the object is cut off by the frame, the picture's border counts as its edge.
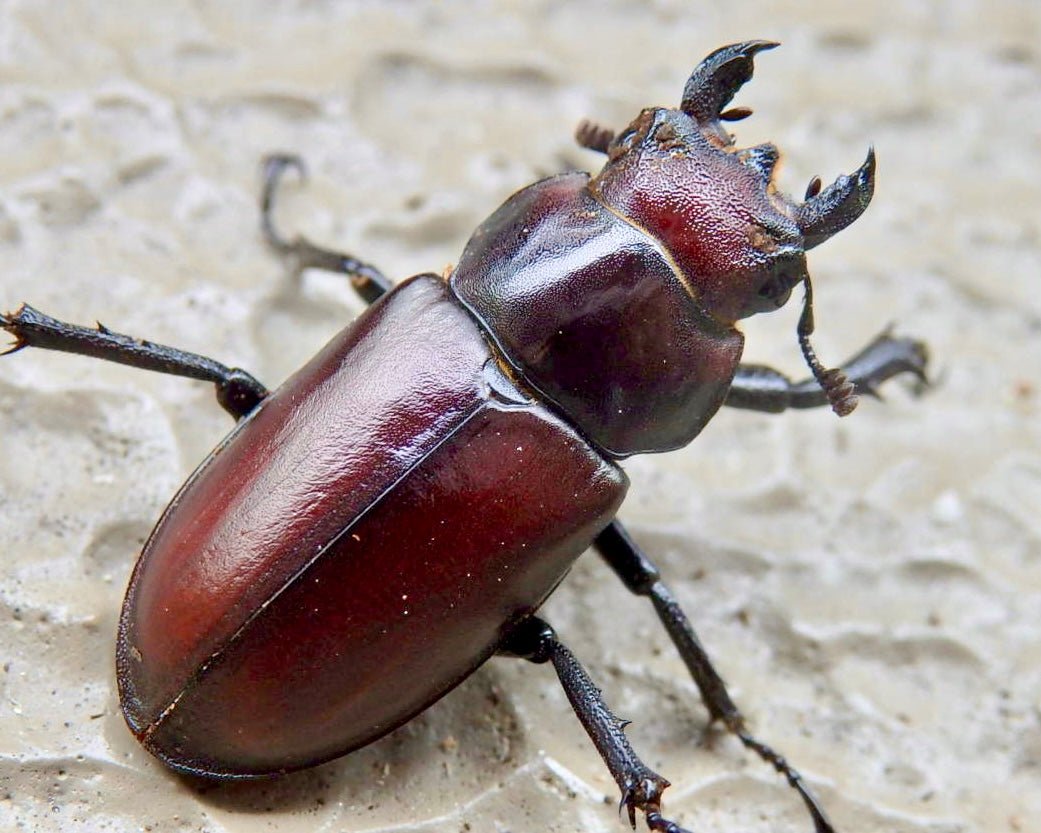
(397, 511)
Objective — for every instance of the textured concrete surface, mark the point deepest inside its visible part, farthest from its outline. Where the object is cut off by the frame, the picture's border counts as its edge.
(871, 588)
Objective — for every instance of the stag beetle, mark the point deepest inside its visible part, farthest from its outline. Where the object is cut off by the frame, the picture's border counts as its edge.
(395, 513)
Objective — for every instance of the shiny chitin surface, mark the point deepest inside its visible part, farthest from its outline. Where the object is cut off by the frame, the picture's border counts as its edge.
(355, 548)
(594, 313)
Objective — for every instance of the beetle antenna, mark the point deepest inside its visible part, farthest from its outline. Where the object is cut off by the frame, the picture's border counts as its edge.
(840, 391)
(594, 136)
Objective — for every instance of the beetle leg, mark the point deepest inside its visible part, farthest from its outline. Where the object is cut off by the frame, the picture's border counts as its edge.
(760, 388)
(237, 391)
(536, 641)
(643, 579)
(365, 279)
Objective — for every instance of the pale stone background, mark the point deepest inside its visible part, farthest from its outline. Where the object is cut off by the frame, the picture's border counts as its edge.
(871, 588)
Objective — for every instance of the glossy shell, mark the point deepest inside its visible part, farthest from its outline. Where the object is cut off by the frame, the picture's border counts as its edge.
(595, 314)
(356, 547)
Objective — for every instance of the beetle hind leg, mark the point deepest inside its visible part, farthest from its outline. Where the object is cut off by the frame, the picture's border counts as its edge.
(642, 578)
(642, 788)
(365, 279)
(237, 391)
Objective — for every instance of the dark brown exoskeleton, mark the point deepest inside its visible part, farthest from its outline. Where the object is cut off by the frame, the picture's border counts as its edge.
(396, 512)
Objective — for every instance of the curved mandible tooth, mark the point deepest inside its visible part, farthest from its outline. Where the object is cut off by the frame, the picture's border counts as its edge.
(761, 158)
(838, 205)
(715, 80)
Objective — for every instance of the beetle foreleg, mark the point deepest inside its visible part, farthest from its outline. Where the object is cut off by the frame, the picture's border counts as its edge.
(237, 391)
(365, 279)
(641, 787)
(643, 579)
(761, 388)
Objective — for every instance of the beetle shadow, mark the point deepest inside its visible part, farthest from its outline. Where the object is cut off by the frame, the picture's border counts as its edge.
(302, 302)
(460, 738)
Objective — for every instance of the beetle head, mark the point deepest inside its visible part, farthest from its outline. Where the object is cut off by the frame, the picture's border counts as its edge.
(737, 242)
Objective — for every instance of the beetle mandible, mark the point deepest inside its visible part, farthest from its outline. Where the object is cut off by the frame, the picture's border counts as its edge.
(302, 595)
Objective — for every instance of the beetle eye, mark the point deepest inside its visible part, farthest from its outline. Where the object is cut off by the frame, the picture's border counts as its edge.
(773, 293)
(774, 287)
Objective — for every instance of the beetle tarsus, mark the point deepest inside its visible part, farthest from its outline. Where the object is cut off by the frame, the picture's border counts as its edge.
(365, 279)
(821, 823)
(274, 168)
(656, 822)
(642, 578)
(648, 799)
(641, 787)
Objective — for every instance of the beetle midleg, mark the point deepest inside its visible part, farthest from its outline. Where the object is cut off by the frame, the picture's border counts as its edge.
(536, 641)
(642, 578)
(237, 391)
(761, 388)
(365, 279)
